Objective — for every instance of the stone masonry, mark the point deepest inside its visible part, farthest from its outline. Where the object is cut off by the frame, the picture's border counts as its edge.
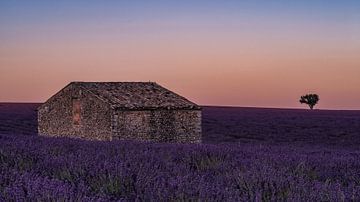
(120, 111)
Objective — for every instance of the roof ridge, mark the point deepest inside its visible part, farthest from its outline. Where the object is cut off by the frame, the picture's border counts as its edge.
(113, 82)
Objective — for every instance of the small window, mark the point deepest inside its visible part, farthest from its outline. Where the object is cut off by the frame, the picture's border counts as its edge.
(76, 111)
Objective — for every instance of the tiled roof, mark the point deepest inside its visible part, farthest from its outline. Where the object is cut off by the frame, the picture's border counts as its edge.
(137, 95)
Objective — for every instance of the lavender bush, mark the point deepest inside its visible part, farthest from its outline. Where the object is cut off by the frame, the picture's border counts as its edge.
(37, 168)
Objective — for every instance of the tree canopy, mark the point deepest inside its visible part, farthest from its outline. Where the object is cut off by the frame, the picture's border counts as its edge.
(310, 99)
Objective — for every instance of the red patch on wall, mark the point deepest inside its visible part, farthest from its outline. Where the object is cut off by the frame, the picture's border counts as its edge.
(76, 112)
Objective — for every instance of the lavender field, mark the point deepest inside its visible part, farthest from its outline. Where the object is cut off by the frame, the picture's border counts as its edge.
(287, 126)
(248, 155)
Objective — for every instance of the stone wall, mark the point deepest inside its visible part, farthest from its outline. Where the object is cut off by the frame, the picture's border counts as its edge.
(56, 116)
(131, 125)
(188, 126)
(158, 125)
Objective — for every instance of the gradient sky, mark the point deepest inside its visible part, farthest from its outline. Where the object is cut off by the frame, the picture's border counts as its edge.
(243, 53)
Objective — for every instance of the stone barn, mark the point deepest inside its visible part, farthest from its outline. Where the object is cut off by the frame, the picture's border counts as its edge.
(120, 110)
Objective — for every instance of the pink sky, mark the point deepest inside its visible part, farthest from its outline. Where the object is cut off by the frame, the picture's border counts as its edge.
(258, 62)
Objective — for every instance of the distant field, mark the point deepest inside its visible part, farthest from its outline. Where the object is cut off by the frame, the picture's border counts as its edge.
(18, 118)
(330, 127)
(265, 155)
(235, 124)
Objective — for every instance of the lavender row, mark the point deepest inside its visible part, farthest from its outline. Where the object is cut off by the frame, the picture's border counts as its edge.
(37, 168)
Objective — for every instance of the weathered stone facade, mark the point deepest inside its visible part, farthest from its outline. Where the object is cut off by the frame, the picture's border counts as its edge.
(96, 111)
(159, 125)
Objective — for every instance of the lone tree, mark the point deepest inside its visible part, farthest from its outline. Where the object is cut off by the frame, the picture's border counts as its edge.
(310, 99)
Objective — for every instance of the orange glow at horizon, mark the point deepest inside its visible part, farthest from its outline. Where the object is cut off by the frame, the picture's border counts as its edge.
(202, 72)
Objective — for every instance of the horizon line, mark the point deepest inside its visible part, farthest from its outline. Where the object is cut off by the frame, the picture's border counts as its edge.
(224, 106)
